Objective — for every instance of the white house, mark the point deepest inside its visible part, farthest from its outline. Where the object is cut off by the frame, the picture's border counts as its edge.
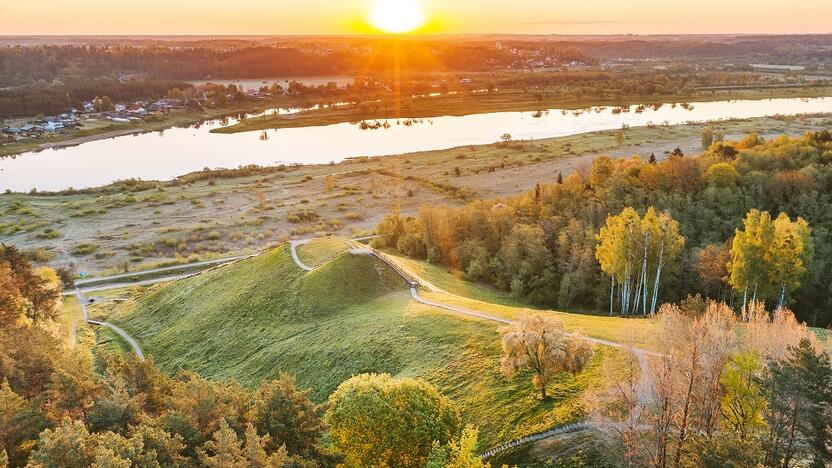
(53, 125)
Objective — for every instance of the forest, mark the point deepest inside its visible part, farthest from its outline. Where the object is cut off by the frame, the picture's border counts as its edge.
(744, 221)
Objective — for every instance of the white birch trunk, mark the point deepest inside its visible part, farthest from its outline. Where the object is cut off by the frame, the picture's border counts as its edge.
(656, 283)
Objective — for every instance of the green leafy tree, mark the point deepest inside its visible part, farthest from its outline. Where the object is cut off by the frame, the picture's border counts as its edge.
(798, 392)
(389, 230)
(742, 404)
(288, 416)
(65, 445)
(168, 448)
(770, 257)
(19, 425)
(748, 255)
(463, 453)
(438, 456)
(790, 254)
(722, 175)
(116, 410)
(377, 420)
(224, 450)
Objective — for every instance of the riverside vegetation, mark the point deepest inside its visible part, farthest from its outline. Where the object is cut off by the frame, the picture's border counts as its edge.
(140, 224)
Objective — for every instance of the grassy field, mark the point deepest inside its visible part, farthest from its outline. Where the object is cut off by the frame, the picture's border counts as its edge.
(321, 250)
(256, 318)
(483, 298)
(512, 100)
(183, 222)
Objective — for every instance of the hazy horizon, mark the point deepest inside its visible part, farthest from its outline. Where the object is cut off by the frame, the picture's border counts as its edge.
(333, 17)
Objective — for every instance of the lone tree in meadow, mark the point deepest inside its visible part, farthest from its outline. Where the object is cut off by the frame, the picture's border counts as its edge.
(634, 250)
(540, 343)
(769, 257)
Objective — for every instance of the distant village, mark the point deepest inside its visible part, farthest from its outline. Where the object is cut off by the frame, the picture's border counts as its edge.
(42, 126)
(104, 110)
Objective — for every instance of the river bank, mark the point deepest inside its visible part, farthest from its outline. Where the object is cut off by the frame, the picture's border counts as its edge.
(103, 129)
(469, 103)
(168, 154)
(237, 211)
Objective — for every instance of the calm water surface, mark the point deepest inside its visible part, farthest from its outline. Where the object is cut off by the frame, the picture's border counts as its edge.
(176, 151)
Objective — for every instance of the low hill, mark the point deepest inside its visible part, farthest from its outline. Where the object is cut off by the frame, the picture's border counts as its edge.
(253, 319)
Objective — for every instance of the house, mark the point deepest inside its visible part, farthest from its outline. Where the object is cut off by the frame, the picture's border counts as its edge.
(120, 108)
(139, 112)
(88, 107)
(53, 125)
(31, 130)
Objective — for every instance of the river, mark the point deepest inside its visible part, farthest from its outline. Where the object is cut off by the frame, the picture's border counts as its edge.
(176, 151)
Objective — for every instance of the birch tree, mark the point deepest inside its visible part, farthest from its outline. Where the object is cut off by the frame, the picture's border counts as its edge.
(634, 250)
(789, 254)
(748, 254)
(769, 257)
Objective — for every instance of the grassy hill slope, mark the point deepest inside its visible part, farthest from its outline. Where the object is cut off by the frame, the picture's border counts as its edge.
(253, 319)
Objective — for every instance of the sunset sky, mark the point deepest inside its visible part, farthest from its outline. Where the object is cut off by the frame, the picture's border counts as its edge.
(457, 16)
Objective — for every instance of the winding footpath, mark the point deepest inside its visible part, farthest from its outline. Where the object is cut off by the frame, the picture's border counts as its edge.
(293, 245)
(82, 301)
(414, 282)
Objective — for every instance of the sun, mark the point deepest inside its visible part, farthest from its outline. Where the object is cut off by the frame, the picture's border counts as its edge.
(397, 16)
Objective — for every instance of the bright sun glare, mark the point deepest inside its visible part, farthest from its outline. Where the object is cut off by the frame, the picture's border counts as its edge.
(397, 16)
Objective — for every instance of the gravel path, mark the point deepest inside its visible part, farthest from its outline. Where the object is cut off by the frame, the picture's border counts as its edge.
(294, 248)
(645, 381)
(82, 301)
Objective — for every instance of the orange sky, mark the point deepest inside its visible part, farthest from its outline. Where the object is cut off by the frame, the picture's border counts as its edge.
(447, 16)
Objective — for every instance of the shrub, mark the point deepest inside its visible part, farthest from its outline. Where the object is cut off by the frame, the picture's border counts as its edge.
(303, 216)
(40, 254)
(48, 233)
(84, 249)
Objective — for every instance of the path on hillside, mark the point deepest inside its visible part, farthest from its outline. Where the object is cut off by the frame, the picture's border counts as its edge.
(293, 246)
(147, 282)
(82, 301)
(414, 281)
(183, 266)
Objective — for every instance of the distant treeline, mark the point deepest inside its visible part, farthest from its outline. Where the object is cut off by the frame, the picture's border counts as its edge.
(58, 96)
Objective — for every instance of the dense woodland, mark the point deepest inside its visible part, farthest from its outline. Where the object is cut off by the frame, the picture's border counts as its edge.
(545, 245)
(49, 79)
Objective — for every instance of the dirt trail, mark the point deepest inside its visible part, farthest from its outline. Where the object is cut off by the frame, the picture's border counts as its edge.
(82, 301)
(414, 281)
